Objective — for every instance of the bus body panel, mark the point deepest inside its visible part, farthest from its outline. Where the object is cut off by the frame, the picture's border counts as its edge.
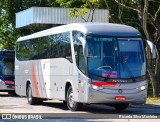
(48, 77)
(83, 87)
(44, 77)
(23, 75)
(20, 78)
(61, 73)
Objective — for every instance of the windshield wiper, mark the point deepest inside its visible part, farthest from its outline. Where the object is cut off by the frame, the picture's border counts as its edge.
(125, 66)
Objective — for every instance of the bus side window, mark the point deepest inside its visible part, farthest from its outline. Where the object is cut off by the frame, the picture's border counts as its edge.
(33, 49)
(18, 51)
(66, 46)
(61, 46)
(80, 61)
(44, 48)
(22, 51)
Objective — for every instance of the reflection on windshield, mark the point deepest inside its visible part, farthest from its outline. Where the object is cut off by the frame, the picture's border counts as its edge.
(132, 55)
(7, 68)
(115, 58)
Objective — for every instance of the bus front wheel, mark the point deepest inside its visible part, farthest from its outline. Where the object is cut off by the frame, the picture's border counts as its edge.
(71, 104)
(30, 98)
(121, 106)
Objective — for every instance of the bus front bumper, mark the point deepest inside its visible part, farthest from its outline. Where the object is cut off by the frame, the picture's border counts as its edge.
(99, 96)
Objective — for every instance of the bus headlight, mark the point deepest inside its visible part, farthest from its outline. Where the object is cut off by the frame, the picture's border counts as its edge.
(2, 82)
(142, 87)
(96, 87)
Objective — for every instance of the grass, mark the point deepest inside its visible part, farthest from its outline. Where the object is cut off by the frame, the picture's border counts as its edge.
(151, 100)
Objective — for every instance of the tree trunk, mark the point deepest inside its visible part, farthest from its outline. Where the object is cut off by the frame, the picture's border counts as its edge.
(158, 73)
(151, 71)
(151, 66)
(154, 82)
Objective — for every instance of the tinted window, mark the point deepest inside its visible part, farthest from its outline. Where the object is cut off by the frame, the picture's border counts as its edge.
(61, 45)
(44, 45)
(78, 51)
(32, 49)
(22, 51)
(54, 46)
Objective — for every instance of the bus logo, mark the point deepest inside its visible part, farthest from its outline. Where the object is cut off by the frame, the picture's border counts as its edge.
(120, 91)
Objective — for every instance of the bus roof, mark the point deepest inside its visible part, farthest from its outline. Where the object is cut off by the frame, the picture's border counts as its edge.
(108, 29)
(7, 51)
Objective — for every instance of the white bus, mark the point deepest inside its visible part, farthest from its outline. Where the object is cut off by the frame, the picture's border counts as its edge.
(82, 63)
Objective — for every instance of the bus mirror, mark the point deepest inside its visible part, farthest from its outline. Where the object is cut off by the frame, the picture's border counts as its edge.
(153, 48)
(84, 45)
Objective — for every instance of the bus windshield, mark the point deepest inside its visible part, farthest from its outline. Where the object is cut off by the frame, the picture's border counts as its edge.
(112, 58)
(7, 67)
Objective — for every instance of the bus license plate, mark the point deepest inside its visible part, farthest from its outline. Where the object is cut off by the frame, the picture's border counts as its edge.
(120, 98)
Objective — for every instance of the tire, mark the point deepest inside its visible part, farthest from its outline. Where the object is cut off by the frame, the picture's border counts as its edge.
(71, 104)
(30, 98)
(121, 107)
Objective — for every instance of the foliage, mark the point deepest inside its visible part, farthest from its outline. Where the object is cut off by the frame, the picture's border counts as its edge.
(80, 7)
(151, 100)
(8, 33)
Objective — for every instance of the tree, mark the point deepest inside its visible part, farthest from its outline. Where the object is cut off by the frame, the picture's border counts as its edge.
(80, 8)
(148, 11)
(8, 33)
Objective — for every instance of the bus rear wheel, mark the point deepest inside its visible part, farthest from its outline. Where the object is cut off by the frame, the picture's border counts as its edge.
(71, 104)
(30, 98)
(121, 107)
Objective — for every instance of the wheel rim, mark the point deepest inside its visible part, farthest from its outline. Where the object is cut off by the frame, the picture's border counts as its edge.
(29, 94)
(71, 102)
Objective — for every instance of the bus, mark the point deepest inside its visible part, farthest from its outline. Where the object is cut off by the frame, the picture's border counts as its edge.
(83, 63)
(7, 82)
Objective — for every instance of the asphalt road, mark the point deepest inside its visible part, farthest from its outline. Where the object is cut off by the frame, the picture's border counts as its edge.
(56, 110)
